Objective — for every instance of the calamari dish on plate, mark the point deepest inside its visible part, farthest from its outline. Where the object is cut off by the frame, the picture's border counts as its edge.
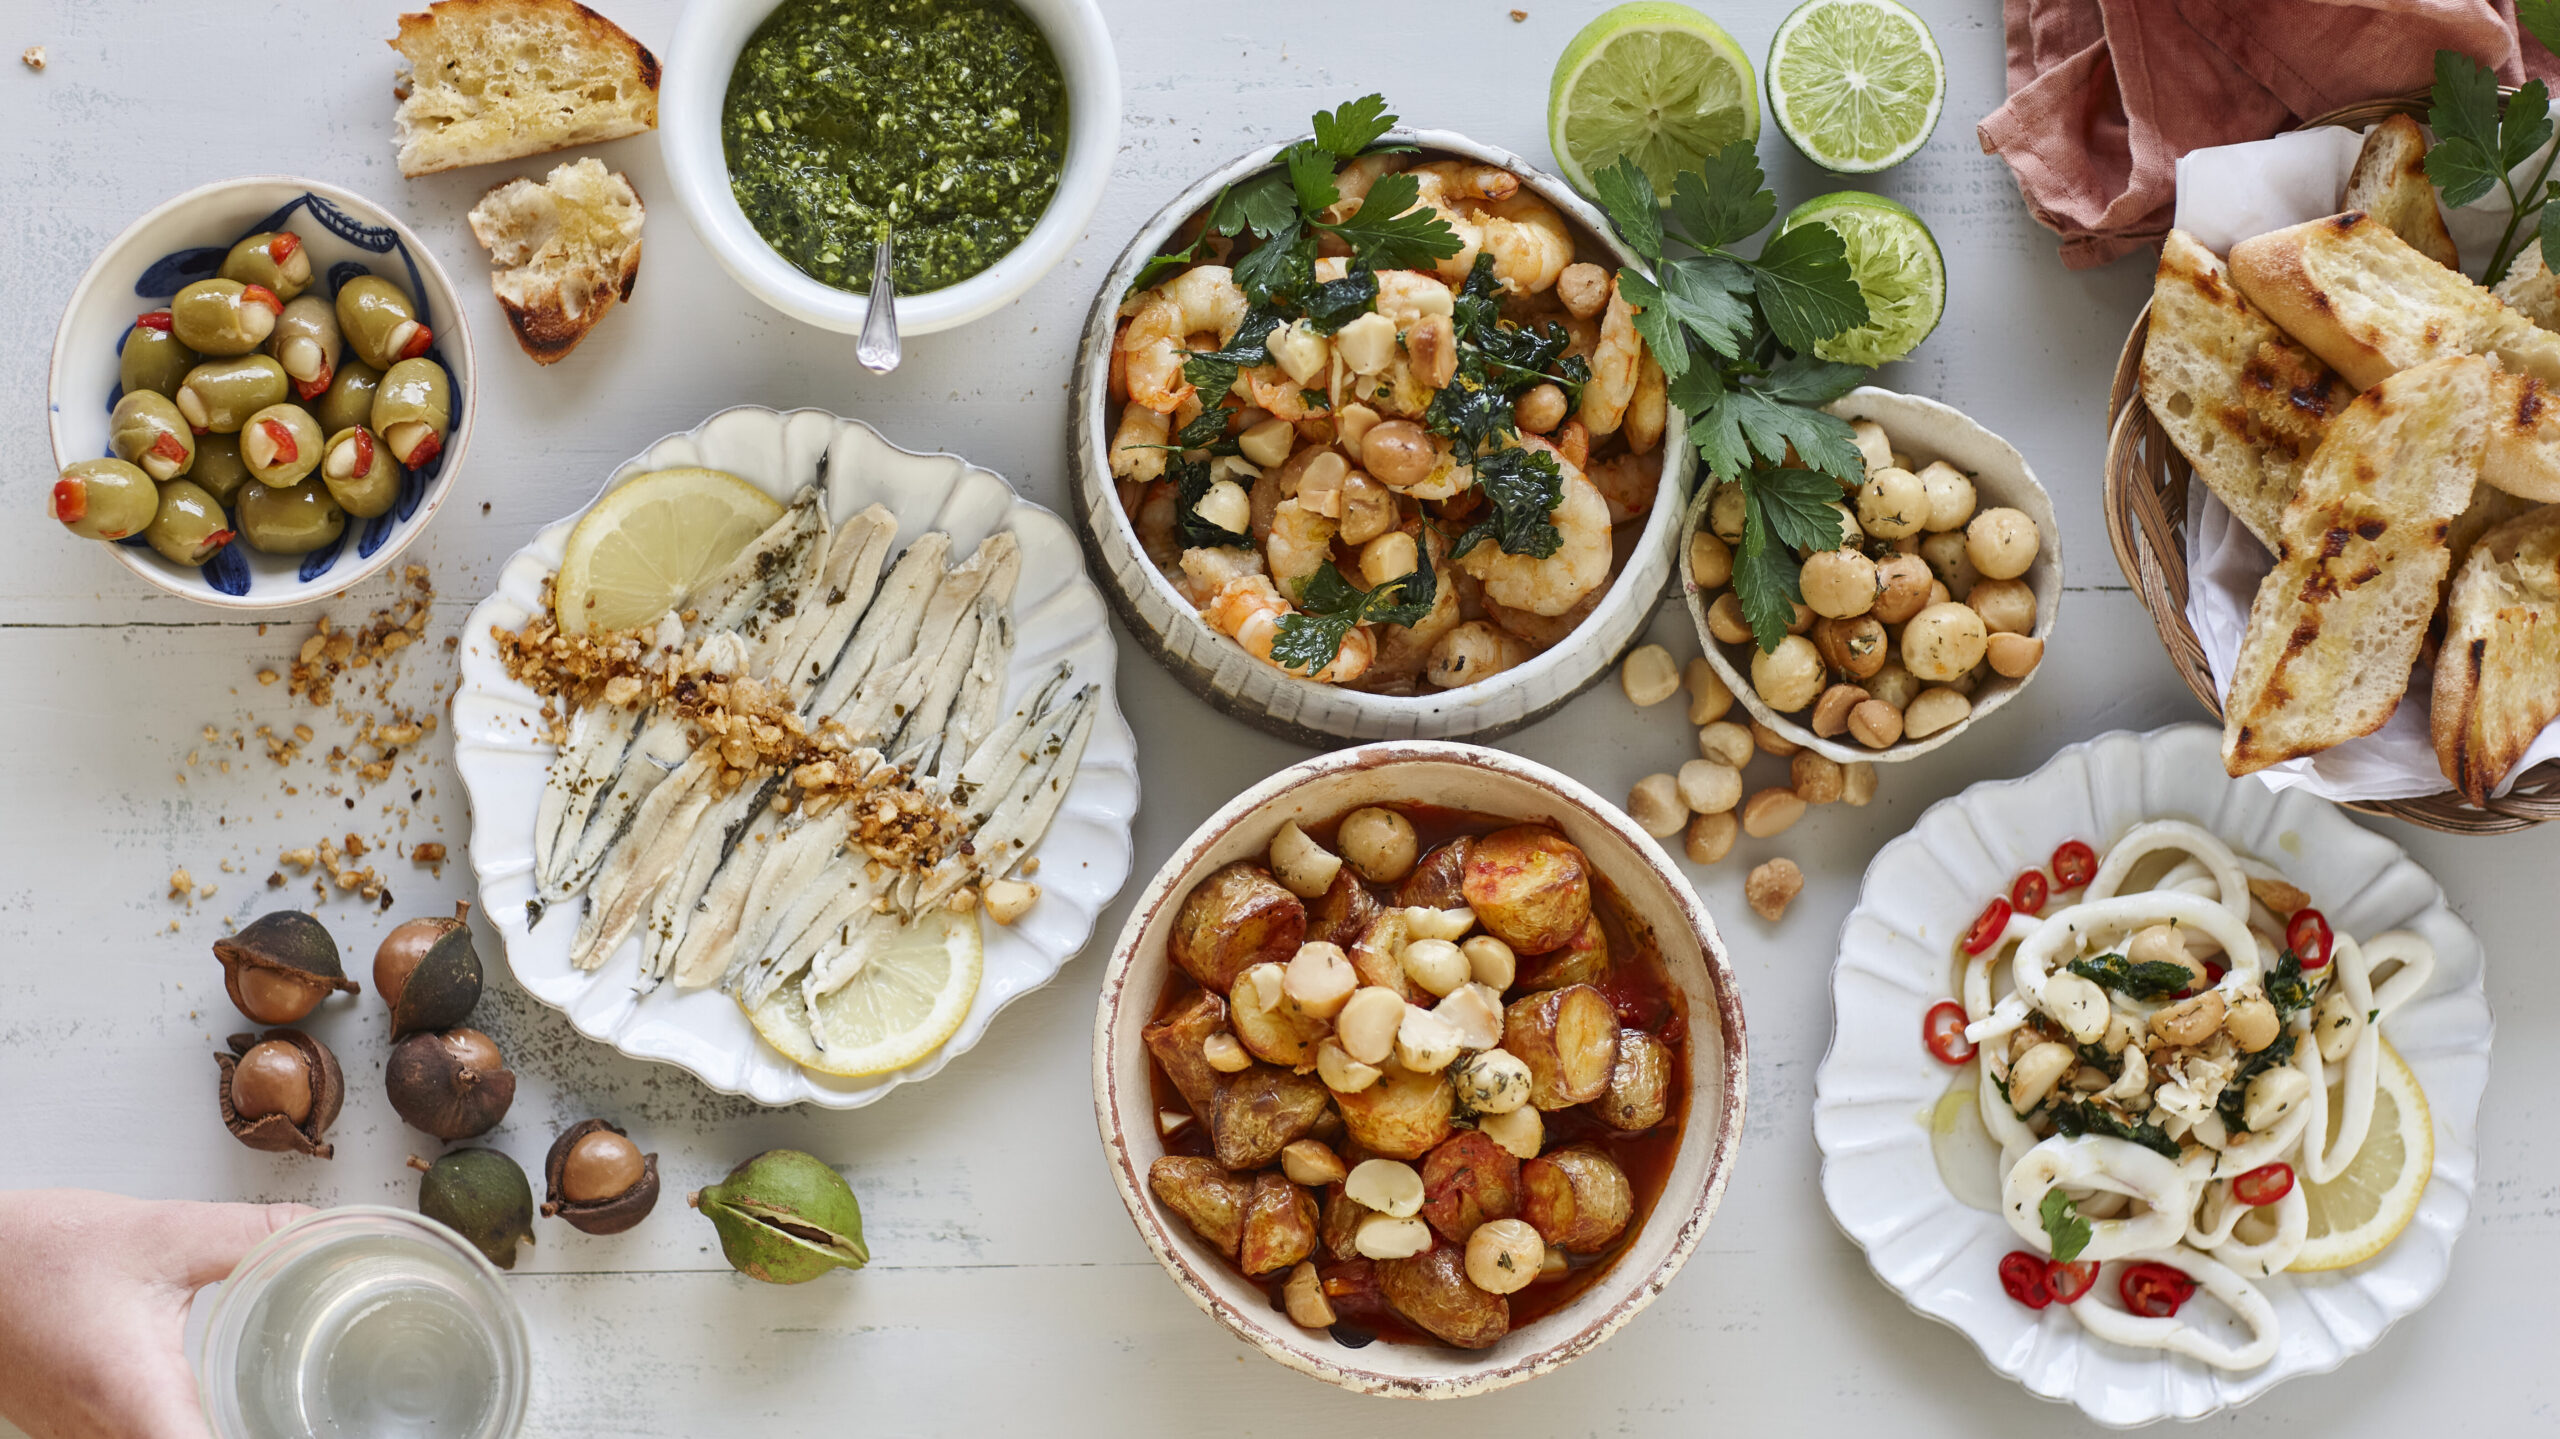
(1382, 419)
(786, 763)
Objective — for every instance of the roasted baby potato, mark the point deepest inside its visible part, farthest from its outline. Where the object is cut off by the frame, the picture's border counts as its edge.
(1345, 912)
(1339, 1234)
(1529, 886)
(1577, 1198)
(1176, 1041)
(1569, 1039)
(1440, 880)
(1467, 1181)
(1279, 1226)
(1431, 1289)
(1270, 1024)
(1234, 919)
(1378, 956)
(1639, 1091)
(1257, 1113)
(1583, 960)
(1402, 1116)
(1208, 1198)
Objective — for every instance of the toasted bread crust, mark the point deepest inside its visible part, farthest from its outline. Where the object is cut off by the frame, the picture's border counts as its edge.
(2390, 183)
(2337, 625)
(431, 143)
(2498, 677)
(2361, 298)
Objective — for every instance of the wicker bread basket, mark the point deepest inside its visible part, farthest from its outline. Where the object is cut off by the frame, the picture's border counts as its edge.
(2146, 506)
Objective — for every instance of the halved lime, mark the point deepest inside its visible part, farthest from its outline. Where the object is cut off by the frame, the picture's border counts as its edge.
(1855, 84)
(1655, 81)
(1899, 270)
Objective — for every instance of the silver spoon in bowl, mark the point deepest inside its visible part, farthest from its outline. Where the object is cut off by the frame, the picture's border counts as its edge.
(878, 348)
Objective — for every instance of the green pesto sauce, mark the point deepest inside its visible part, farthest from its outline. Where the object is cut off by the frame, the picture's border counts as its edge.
(945, 120)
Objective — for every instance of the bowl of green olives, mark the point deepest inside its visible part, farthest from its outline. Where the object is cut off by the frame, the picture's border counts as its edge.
(259, 393)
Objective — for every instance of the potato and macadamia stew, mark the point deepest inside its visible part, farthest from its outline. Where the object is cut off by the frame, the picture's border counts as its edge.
(1384, 419)
(1924, 601)
(1418, 1071)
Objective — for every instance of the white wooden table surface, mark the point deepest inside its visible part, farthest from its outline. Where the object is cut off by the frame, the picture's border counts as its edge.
(1008, 1291)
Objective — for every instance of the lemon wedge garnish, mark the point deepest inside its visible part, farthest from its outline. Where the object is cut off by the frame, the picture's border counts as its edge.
(2356, 1215)
(913, 989)
(653, 540)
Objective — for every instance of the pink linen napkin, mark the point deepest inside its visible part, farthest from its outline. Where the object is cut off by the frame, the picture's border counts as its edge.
(2105, 95)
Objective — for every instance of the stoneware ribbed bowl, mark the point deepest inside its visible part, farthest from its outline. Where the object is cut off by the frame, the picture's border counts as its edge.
(1926, 430)
(183, 241)
(1221, 671)
(1467, 778)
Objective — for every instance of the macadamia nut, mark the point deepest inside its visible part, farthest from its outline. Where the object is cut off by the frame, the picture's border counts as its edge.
(1949, 564)
(2006, 606)
(1857, 784)
(1707, 787)
(1831, 712)
(1772, 887)
(1709, 698)
(1902, 587)
(1654, 804)
(1649, 677)
(1941, 643)
(1379, 843)
(1875, 724)
(1950, 492)
(1817, 778)
(2001, 542)
(1726, 513)
(1770, 742)
(1725, 621)
(1710, 561)
(1725, 742)
(1790, 676)
(1710, 837)
(1770, 812)
(1933, 710)
(2014, 656)
(1839, 584)
(1892, 503)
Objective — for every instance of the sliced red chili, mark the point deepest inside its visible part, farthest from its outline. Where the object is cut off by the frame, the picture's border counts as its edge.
(283, 246)
(2067, 1282)
(280, 435)
(2022, 1275)
(2263, 1185)
(2029, 894)
(71, 505)
(2308, 935)
(2154, 1291)
(1988, 928)
(418, 343)
(2074, 864)
(1942, 1029)
(154, 320)
(169, 447)
(425, 452)
(317, 385)
(363, 442)
(261, 295)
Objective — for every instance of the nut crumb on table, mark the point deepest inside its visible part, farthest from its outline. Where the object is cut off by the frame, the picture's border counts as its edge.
(33, 58)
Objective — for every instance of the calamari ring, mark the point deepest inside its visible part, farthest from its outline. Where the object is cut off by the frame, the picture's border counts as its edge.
(2177, 834)
(2177, 1335)
(2128, 913)
(2217, 1222)
(2097, 1161)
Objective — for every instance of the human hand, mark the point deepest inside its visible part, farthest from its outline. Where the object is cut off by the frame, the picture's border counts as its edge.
(93, 1307)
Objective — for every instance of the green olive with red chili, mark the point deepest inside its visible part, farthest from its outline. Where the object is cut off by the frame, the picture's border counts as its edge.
(275, 259)
(218, 466)
(289, 519)
(220, 395)
(153, 358)
(349, 401)
(412, 410)
(280, 444)
(224, 317)
(146, 430)
(360, 473)
(379, 323)
(190, 524)
(306, 343)
(103, 499)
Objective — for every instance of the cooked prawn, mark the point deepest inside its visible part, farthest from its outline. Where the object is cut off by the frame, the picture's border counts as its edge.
(1405, 296)
(1453, 189)
(1557, 583)
(1202, 298)
(1614, 363)
(1207, 571)
(1284, 397)
(1133, 456)
(1353, 181)
(1155, 516)
(1474, 651)
(1648, 408)
(1248, 610)
(1628, 483)
(1300, 542)
(1541, 631)
(1528, 241)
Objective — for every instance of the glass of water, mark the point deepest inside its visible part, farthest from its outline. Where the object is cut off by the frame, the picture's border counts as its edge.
(364, 1323)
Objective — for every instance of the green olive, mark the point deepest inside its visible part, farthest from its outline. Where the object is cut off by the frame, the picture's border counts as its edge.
(306, 344)
(147, 430)
(412, 411)
(103, 499)
(189, 525)
(218, 466)
(275, 259)
(360, 473)
(292, 520)
(221, 395)
(349, 401)
(221, 317)
(280, 444)
(153, 360)
(380, 324)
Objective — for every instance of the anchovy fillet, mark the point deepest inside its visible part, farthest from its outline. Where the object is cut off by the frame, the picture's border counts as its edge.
(627, 880)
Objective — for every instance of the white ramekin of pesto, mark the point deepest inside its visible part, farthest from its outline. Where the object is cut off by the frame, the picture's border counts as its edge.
(980, 132)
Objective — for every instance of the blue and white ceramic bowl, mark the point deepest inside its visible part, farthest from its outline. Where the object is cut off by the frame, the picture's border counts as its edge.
(183, 241)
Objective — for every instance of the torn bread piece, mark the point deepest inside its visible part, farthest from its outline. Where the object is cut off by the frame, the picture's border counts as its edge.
(489, 80)
(2361, 563)
(2531, 290)
(2498, 676)
(2362, 299)
(2243, 403)
(2390, 184)
(563, 251)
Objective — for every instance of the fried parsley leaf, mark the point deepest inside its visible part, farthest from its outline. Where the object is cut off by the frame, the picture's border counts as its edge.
(1191, 482)
(2154, 979)
(2077, 1116)
(1470, 412)
(1330, 607)
(1336, 303)
(1212, 373)
(1280, 268)
(1522, 488)
(2287, 989)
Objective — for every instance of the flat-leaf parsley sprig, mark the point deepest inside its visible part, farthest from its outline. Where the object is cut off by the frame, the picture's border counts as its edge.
(1735, 338)
(2481, 139)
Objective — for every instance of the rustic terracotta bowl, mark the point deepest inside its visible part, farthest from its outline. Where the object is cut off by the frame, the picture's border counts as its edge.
(1463, 777)
(1221, 671)
(1926, 430)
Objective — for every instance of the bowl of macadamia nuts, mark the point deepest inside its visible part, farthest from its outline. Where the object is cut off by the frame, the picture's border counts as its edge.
(1934, 610)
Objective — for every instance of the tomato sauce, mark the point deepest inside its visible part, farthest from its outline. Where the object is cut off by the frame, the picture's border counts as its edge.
(1637, 984)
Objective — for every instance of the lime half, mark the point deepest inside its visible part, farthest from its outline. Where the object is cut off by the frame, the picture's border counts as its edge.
(1855, 84)
(1654, 81)
(1899, 270)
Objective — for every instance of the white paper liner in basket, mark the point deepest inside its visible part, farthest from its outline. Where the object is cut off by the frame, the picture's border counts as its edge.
(2226, 194)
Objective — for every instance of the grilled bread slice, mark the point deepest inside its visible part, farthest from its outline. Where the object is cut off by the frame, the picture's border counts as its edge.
(2245, 405)
(2362, 299)
(2390, 184)
(2531, 290)
(2498, 677)
(564, 251)
(489, 80)
(2361, 562)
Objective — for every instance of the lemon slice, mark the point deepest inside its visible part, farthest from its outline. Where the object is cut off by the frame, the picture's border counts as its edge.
(653, 540)
(1856, 85)
(914, 987)
(1651, 80)
(2356, 1215)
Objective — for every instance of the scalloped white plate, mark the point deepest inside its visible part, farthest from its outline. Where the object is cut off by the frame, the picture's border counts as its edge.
(1058, 616)
(1877, 1085)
